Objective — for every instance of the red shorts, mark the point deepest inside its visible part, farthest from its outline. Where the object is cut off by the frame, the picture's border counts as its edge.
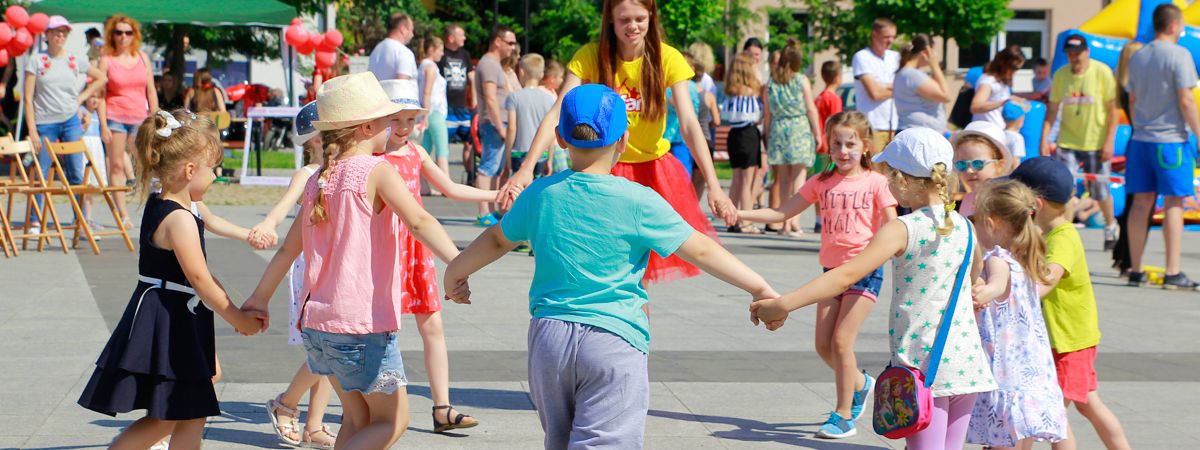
(667, 177)
(1076, 373)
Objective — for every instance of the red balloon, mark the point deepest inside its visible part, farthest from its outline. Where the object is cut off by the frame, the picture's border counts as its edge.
(305, 48)
(24, 38)
(294, 35)
(315, 40)
(16, 16)
(6, 34)
(333, 40)
(325, 59)
(3, 57)
(37, 23)
(297, 21)
(15, 49)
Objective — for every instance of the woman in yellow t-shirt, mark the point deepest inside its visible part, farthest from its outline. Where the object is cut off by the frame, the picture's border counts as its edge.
(632, 58)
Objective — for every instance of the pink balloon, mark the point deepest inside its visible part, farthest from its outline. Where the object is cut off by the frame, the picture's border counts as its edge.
(305, 48)
(297, 21)
(24, 38)
(37, 23)
(3, 57)
(6, 34)
(16, 16)
(294, 35)
(14, 49)
(333, 40)
(325, 59)
(315, 40)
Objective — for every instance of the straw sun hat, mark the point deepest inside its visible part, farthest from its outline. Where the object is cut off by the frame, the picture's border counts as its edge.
(353, 99)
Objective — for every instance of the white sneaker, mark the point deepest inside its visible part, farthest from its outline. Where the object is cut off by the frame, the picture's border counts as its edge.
(1111, 234)
(35, 228)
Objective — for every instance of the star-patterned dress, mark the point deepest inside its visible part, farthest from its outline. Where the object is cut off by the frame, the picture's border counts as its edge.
(1028, 402)
(923, 277)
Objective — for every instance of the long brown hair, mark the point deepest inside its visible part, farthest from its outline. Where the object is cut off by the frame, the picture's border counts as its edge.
(204, 94)
(743, 78)
(653, 80)
(858, 122)
(110, 44)
(789, 65)
(1012, 203)
(1006, 63)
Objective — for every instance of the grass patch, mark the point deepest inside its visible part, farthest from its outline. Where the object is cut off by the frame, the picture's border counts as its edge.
(724, 172)
(272, 159)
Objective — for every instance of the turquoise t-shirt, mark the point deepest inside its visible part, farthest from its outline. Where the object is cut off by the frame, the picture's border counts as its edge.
(593, 235)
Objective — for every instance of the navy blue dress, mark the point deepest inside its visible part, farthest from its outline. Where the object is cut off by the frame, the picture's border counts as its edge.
(161, 356)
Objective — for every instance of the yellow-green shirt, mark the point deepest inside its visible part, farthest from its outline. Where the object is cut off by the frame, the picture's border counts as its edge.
(646, 141)
(1070, 307)
(1083, 100)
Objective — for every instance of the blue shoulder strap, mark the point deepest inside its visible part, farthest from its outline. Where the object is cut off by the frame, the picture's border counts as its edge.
(939, 343)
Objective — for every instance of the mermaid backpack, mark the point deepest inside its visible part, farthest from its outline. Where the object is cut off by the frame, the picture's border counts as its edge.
(903, 401)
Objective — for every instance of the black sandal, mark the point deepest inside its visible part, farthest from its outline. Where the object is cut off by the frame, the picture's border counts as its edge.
(460, 421)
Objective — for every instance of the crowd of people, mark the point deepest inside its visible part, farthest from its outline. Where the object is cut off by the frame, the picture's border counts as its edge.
(597, 167)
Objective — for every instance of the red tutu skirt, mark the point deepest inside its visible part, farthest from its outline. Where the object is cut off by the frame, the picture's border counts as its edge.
(667, 177)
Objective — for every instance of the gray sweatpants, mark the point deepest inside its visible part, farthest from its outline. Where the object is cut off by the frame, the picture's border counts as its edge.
(590, 387)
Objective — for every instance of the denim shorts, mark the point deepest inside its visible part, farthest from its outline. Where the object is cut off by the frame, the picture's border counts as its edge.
(868, 286)
(491, 159)
(127, 128)
(368, 363)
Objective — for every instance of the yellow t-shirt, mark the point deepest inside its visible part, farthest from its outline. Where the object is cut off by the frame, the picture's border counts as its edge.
(1070, 308)
(1083, 100)
(646, 141)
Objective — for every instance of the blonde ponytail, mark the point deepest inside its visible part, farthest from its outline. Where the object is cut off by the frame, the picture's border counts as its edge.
(160, 145)
(942, 179)
(1015, 205)
(335, 142)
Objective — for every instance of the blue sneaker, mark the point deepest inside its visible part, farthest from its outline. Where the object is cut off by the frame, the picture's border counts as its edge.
(487, 220)
(860, 397)
(836, 427)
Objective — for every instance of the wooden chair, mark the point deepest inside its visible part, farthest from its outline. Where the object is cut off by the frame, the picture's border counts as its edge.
(58, 179)
(30, 184)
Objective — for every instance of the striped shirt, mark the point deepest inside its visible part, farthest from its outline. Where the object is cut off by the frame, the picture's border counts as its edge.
(741, 110)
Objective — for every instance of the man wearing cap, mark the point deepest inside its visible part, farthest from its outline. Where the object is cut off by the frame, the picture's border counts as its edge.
(594, 232)
(1086, 93)
(1159, 160)
(874, 69)
(54, 81)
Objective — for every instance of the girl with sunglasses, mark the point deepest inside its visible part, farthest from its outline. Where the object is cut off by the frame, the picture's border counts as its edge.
(980, 154)
(129, 97)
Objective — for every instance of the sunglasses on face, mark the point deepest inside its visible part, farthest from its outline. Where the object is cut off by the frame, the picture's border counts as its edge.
(123, 32)
(511, 43)
(973, 164)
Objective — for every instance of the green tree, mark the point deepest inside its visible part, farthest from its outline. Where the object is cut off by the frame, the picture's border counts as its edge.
(559, 27)
(218, 43)
(683, 21)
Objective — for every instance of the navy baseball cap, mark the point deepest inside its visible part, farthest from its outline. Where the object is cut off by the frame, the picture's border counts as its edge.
(1075, 43)
(597, 106)
(1048, 177)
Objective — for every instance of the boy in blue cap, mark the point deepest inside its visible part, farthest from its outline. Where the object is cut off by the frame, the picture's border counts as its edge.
(1068, 301)
(1014, 119)
(589, 336)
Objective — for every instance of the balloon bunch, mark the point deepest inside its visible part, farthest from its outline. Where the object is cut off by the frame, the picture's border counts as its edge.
(17, 31)
(324, 44)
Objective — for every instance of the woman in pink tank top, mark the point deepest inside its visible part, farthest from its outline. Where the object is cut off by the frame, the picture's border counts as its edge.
(129, 97)
(353, 291)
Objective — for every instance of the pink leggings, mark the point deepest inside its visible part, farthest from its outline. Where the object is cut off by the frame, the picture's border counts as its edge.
(948, 426)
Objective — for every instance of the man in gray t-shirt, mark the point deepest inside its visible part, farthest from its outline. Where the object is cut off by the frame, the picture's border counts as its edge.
(1159, 160)
(491, 88)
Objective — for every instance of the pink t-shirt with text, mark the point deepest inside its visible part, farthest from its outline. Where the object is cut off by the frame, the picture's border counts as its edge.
(852, 209)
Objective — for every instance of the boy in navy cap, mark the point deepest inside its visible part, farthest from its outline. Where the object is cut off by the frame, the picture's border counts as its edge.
(1068, 301)
(589, 336)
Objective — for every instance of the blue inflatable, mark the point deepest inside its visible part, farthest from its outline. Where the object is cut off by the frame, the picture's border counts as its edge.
(1103, 49)
(1121, 140)
(1031, 130)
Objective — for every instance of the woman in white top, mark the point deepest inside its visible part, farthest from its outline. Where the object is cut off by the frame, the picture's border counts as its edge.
(994, 88)
(920, 96)
(433, 97)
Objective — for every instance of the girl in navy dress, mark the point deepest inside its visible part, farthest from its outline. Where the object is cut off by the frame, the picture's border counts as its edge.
(161, 356)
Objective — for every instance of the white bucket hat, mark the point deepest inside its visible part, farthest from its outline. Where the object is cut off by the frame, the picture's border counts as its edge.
(994, 134)
(404, 93)
(350, 100)
(915, 151)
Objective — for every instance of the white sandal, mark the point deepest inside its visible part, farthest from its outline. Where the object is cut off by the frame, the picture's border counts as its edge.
(284, 429)
(325, 443)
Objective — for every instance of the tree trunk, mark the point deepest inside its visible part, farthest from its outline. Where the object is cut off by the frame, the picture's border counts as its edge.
(177, 64)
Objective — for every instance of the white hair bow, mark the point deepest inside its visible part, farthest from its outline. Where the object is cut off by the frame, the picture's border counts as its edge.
(172, 124)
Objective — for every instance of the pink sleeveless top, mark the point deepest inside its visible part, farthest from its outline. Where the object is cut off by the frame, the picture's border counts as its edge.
(420, 273)
(352, 284)
(125, 96)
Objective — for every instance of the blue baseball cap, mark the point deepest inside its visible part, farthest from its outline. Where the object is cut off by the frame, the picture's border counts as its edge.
(1012, 111)
(1048, 177)
(597, 106)
(303, 125)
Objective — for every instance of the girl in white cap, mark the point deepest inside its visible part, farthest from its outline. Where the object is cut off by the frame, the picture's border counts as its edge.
(352, 297)
(931, 249)
(421, 297)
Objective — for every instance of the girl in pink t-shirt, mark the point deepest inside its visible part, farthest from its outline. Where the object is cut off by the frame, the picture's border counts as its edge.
(855, 202)
(353, 286)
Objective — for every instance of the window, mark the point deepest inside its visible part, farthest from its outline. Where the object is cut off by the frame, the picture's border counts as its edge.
(1027, 29)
